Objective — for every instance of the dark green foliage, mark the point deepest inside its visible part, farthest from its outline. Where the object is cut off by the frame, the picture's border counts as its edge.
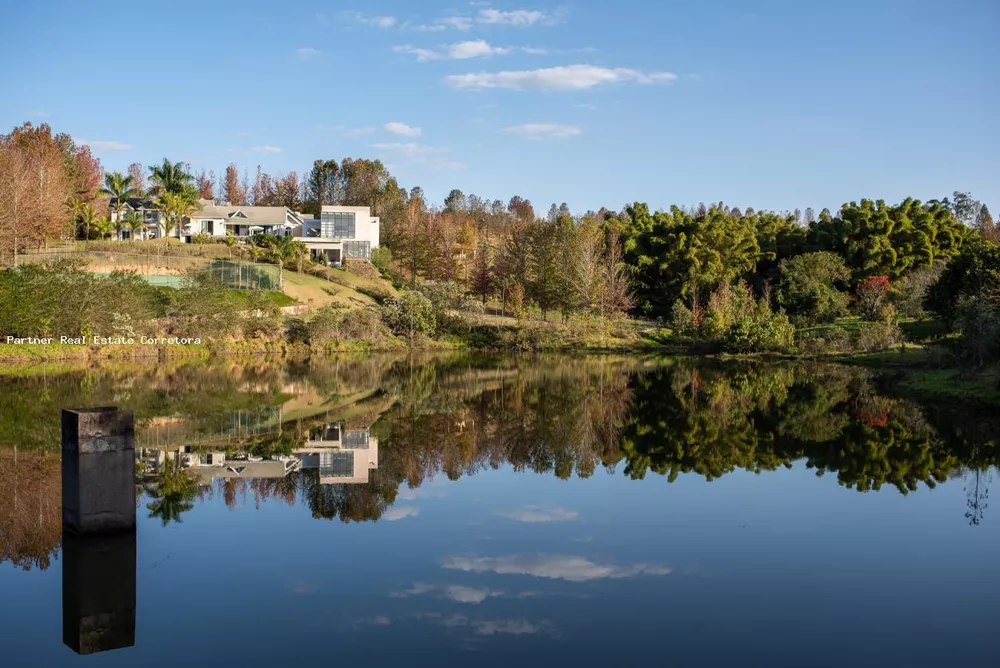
(874, 238)
(410, 314)
(678, 255)
(63, 300)
(971, 275)
(810, 285)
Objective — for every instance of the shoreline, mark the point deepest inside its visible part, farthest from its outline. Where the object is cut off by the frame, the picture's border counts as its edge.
(909, 372)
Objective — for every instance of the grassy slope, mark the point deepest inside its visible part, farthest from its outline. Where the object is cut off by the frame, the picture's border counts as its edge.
(316, 292)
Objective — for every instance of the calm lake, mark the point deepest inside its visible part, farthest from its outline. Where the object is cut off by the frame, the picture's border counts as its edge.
(545, 511)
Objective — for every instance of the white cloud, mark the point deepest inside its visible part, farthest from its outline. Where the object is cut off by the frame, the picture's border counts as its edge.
(518, 17)
(306, 53)
(531, 50)
(99, 145)
(457, 22)
(533, 514)
(569, 77)
(402, 129)
(400, 512)
(456, 593)
(543, 131)
(376, 21)
(462, 594)
(36, 113)
(557, 567)
(354, 133)
(479, 48)
(489, 627)
(266, 149)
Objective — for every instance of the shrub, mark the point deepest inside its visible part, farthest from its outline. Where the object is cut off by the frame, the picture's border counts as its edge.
(979, 320)
(973, 273)
(682, 320)
(262, 317)
(381, 258)
(409, 314)
(761, 330)
(871, 293)
(296, 331)
(910, 292)
(808, 287)
(877, 336)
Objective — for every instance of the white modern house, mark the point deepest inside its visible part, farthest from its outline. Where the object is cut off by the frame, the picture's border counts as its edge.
(342, 456)
(216, 220)
(340, 232)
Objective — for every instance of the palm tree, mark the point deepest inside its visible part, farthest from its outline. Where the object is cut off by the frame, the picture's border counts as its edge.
(103, 227)
(285, 250)
(135, 223)
(118, 187)
(174, 207)
(118, 224)
(173, 493)
(84, 215)
(170, 177)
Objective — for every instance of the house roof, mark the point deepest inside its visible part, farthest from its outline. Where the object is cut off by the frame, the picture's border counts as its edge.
(245, 215)
(133, 203)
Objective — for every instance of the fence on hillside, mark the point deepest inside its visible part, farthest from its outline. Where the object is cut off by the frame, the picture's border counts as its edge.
(168, 270)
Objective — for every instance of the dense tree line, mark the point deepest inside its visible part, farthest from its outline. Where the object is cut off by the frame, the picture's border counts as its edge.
(717, 273)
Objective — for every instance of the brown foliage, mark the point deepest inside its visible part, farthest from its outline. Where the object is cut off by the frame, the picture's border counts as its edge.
(36, 185)
(30, 508)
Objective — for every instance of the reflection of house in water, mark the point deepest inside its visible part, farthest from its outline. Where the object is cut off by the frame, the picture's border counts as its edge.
(342, 456)
(277, 468)
(209, 466)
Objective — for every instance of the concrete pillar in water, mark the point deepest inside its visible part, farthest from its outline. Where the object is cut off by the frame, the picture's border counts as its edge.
(98, 591)
(99, 548)
(98, 471)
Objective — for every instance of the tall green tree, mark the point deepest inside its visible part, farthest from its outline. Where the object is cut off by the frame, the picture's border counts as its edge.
(119, 188)
(812, 287)
(170, 177)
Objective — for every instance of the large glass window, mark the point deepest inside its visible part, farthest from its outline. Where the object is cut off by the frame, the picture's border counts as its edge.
(208, 226)
(355, 440)
(336, 225)
(360, 249)
(336, 464)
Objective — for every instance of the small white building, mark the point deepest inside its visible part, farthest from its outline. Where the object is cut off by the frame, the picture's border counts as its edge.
(340, 232)
(216, 220)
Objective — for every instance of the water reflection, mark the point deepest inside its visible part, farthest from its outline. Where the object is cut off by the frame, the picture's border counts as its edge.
(99, 592)
(351, 439)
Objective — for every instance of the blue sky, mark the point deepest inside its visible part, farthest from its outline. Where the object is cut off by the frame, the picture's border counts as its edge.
(773, 104)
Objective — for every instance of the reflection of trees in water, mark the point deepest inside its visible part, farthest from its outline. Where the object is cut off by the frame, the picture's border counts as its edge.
(714, 420)
(977, 490)
(29, 407)
(562, 416)
(173, 493)
(30, 508)
(565, 418)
